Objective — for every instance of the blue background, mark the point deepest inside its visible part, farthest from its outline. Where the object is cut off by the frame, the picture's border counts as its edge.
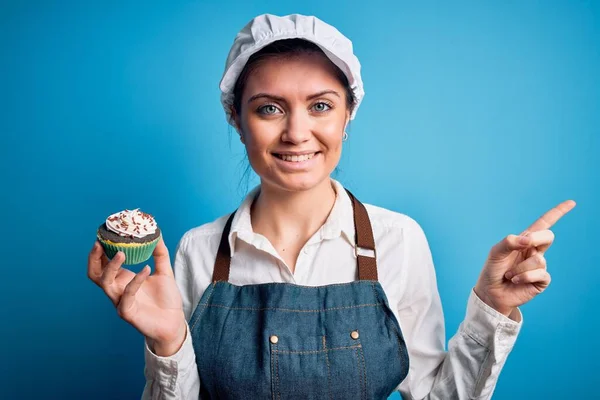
(478, 117)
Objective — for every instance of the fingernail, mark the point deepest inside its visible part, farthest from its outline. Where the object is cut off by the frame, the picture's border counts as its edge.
(509, 275)
(524, 240)
(515, 279)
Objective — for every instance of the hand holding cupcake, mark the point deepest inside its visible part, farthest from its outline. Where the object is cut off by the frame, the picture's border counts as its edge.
(150, 303)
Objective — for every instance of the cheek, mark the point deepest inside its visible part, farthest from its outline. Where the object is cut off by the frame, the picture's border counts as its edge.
(332, 135)
(258, 138)
(254, 148)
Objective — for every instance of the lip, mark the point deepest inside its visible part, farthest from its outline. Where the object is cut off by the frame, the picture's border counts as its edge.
(294, 153)
(297, 166)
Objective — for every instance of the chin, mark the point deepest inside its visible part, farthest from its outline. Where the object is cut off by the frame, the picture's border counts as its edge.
(297, 182)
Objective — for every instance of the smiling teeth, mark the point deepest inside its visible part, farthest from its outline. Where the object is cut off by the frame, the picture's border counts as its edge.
(303, 157)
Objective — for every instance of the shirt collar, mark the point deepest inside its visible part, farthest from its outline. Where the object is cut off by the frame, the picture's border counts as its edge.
(341, 217)
(339, 222)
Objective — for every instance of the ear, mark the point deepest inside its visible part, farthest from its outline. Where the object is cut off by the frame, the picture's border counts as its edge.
(236, 123)
(235, 119)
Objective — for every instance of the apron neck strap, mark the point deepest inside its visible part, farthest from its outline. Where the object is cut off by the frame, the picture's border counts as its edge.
(363, 239)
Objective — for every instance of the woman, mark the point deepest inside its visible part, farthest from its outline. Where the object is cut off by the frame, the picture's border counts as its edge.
(304, 292)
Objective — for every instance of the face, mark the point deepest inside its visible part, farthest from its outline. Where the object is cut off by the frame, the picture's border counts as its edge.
(293, 116)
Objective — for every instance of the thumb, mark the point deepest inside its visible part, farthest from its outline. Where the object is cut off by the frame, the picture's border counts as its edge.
(162, 262)
(507, 245)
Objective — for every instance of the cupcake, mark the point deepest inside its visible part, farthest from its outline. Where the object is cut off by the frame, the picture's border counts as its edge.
(133, 232)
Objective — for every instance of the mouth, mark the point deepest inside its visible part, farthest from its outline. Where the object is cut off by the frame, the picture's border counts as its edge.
(296, 158)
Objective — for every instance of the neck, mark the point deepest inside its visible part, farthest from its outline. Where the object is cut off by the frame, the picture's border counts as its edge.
(285, 216)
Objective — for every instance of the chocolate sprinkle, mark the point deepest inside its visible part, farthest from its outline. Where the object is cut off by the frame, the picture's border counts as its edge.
(107, 234)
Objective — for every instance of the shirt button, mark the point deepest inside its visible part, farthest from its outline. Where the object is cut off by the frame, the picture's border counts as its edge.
(274, 339)
(354, 335)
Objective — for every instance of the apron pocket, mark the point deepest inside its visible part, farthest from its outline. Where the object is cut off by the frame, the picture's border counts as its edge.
(323, 367)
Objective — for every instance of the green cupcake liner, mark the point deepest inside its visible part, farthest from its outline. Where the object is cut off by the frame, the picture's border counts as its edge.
(133, 254)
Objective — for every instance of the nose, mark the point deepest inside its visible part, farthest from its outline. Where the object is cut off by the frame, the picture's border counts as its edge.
(297, 128)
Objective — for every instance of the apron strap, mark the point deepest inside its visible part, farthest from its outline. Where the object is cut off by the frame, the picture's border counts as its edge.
(223, 260)
(363, 238)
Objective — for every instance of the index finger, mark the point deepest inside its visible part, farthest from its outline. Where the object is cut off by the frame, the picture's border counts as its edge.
(551, 217)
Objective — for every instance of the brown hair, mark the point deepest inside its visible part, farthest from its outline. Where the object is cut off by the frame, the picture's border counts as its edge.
(285, 48)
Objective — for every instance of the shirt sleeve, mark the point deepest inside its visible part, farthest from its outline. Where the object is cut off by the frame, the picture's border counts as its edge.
(174, 377)
(476, 353)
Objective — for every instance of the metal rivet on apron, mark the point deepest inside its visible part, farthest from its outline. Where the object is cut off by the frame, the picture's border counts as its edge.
(354, 335)
(274, 339)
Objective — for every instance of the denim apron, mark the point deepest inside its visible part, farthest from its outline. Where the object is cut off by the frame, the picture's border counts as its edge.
(286, 341)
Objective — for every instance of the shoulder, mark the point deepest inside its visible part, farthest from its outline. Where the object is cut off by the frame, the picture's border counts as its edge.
(396, 227)
(388, 220)
(385, 220)
(205, 234)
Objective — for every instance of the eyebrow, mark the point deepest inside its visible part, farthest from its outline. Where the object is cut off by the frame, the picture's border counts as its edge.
(281, 99)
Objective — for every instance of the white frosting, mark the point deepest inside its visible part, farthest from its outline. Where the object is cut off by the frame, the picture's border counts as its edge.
(131, 223)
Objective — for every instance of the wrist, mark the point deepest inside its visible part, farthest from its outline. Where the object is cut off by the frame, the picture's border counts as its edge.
(167, 348)
(509, 312)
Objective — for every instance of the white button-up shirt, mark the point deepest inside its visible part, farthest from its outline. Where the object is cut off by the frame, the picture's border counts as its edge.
(476, 353)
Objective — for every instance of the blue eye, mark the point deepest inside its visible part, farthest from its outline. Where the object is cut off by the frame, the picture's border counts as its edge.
(321, 107)
(268, 109)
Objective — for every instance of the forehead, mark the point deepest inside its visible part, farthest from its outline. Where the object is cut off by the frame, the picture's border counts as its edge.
(301, 74)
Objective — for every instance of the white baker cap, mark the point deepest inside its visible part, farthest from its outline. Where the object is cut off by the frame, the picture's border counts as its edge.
(267, 28)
